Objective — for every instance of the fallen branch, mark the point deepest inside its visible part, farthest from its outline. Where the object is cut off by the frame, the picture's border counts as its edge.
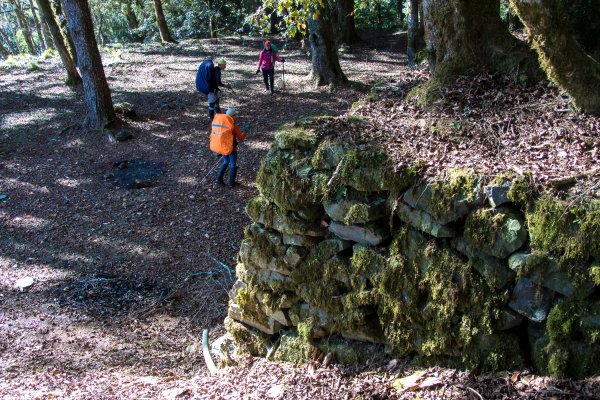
(206, 352)
(569, 180)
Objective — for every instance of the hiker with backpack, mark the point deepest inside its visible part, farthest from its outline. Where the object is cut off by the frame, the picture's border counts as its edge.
(266, 64)
(208, 81)
(223, 140)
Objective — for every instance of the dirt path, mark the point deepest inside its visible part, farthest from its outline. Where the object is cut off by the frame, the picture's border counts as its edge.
(126, 279)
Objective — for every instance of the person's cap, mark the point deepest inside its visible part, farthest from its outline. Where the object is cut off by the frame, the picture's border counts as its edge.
(222, 62)
(232, 112)
(267, 43)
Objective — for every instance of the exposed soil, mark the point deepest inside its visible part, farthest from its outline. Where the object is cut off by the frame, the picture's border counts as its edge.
(126, 279)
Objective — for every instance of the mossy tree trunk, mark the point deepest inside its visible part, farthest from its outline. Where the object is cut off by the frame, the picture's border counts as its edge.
(48, 18)
(98, 101)
(325, 63)
(24, 25)
(562, 58)
(468, 34)
(161, 21)
(64, 26)
(346, 28)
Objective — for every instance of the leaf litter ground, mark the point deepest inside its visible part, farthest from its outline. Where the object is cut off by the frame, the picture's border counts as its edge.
(126, 279)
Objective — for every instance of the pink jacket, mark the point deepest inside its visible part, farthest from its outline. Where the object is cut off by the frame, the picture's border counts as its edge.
(266, 59)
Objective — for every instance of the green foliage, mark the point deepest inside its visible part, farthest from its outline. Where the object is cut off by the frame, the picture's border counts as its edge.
(377, 14)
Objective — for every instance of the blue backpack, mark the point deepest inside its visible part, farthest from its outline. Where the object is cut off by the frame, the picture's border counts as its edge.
(205, 77)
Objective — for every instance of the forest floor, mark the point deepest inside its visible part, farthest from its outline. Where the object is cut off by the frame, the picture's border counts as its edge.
(126, 279)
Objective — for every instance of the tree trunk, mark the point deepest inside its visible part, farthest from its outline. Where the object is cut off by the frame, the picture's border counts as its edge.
(325, 63)
(3, 51)
(47, 15)
(561, 56)
(24, 25)
(346, 29)
(165, 34)
(7, 40)
(47, 35)
(98, 100)
(467, 35)
(400, 10)
(413, 32)
(38, 27)
(62, 22)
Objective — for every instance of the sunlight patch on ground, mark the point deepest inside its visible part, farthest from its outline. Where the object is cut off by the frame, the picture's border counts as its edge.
(23, 119)
(74, 143)
(12, 270)
(28, 222)
(188, 180)
(11, 183)
(73, 183)
(128, 247)
(259, 144)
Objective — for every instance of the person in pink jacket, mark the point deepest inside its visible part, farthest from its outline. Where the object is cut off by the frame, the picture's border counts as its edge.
(266, 64)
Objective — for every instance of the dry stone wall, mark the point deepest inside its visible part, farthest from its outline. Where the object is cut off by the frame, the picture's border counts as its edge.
(344, 250)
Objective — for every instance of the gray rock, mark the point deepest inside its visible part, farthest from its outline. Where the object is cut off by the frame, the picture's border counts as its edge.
(294, 255)
(423, 222)
(330, 156)
(497, 195)
(290, 137)
(508, 319)
(268, 326)
(261, 276)
(372, 234)
(355, 212)
(545, 271)
(300, 240)
(530, 300)
(591, 321)
(494, 270)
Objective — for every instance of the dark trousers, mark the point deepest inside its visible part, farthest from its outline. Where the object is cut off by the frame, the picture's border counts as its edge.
(229, 160)
(268, 77)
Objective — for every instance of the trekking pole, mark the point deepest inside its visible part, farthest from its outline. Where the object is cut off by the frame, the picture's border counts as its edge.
(283, 72)
(212, 169)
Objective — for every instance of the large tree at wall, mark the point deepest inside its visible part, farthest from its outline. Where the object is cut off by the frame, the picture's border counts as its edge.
(326, 67)
(468, 34)
(98, 100)
(161, 21)
(48, 18)
(562, 58)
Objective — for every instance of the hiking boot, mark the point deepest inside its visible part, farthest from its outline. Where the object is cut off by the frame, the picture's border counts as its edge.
(266, 91)
(232, 174)
(220, 174)
(271, 91)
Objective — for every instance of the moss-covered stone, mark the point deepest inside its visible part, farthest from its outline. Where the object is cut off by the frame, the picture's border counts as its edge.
(295, 135)
(447, 200)
(568, 232)
(496, 232)
(247, 339)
